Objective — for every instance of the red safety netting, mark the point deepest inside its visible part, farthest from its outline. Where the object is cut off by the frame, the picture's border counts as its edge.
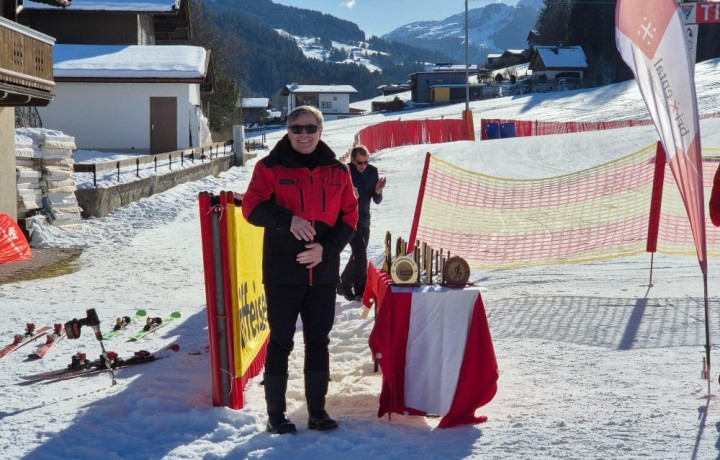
(595, 214)
(397, 133)
(496, 128)
(13, 244)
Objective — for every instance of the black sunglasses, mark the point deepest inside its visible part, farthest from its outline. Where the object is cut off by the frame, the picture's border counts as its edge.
(297, 129)
(360, 163)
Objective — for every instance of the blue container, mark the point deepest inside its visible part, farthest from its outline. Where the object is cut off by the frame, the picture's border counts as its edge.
(493, 130)
(507, 130)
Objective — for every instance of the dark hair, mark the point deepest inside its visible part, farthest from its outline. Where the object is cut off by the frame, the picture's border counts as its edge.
(359, 150)
(302, 109)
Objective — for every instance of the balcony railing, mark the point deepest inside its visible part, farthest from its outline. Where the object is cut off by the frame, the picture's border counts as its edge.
(26, 65)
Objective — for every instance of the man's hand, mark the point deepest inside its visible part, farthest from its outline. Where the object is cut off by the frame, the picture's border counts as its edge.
(302, 229)
(380, 185)
(312, 256)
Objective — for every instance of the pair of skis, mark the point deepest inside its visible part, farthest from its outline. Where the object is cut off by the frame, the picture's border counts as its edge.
(51, 338)
(151, 325)
(123, 323)
(80, 366)
(20, 340)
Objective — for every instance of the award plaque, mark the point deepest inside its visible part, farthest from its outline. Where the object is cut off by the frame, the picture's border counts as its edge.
(455, 271)
(404, 270)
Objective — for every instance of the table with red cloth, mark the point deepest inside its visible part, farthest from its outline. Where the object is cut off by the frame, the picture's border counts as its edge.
(434, 348)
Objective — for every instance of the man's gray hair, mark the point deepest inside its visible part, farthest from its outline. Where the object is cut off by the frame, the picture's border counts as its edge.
(302, 109)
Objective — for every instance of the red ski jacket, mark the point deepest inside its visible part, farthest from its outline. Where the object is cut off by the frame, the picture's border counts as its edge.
(282, 187)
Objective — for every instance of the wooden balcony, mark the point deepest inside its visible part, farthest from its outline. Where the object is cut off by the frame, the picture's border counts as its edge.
(26, 66)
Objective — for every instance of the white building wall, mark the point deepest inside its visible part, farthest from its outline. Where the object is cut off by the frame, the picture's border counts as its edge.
(334, 103)
(113, 116)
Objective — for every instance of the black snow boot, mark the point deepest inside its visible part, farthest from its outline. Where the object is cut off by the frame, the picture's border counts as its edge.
(275, 387)
(316, 386)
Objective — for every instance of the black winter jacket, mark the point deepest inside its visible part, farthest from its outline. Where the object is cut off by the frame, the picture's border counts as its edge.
(281, 186)
(365, 183)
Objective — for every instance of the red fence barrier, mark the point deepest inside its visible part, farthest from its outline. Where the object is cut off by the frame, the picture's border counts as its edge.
(412, 132)
(492, 128)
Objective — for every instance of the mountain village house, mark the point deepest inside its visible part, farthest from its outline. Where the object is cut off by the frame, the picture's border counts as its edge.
(557, 68)
(116, 91)
(449, 83)
(332, 100)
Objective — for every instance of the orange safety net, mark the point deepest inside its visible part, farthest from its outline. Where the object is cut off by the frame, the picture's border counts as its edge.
(594, 214)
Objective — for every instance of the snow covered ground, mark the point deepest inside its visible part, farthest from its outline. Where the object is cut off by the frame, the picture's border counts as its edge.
(594, 362)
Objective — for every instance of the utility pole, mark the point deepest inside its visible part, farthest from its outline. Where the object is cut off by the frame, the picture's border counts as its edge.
(467, 62)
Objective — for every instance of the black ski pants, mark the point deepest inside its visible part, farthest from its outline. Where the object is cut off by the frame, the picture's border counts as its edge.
(316, 307)
(355, 273)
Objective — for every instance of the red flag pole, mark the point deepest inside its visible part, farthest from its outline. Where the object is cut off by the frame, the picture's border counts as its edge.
(656, 204)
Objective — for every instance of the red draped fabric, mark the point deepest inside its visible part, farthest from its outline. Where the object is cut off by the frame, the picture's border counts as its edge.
(434, 359)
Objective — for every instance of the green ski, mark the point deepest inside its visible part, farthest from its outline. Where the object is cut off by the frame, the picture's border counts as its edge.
(121, 324)
(153, 324)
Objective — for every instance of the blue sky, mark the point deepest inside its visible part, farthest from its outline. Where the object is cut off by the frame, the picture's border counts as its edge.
(378, 17)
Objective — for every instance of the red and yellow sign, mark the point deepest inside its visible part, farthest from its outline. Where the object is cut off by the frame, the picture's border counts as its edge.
(249, 312)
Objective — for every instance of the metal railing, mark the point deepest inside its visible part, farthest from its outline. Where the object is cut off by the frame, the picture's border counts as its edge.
(179, 157)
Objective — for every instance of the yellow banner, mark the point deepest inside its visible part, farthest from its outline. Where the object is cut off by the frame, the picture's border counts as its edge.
(249, 313)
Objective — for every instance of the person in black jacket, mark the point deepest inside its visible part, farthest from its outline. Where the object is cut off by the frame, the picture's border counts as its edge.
(368, 186)
(303, 197)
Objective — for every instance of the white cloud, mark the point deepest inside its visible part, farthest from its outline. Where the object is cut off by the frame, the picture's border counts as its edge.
(349, 4)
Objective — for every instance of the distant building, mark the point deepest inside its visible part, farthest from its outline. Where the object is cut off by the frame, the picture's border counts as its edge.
(387, 90)
(115, 90)
(253, 109)
(455, 93)
(513, 57)
(447, 75)
(558, 67)
(332, 100)
(493, 60)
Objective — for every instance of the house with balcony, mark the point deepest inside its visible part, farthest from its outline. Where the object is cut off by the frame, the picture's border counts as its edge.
(332, 100)
(118, 89)
(26, 82)
(557, 68)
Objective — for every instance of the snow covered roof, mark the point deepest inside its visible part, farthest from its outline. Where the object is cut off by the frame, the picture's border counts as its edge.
(130, 61)
(254, 102)
(148, 6)
(561, 57)
(295, 88)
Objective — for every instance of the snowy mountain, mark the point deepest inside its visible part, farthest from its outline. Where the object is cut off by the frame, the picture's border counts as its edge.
(359, 53)
(491, 29)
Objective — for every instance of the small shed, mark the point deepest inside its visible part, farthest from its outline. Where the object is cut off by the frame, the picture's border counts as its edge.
(254, 109)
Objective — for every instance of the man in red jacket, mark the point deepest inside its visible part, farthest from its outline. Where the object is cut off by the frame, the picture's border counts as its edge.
(303, 197)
